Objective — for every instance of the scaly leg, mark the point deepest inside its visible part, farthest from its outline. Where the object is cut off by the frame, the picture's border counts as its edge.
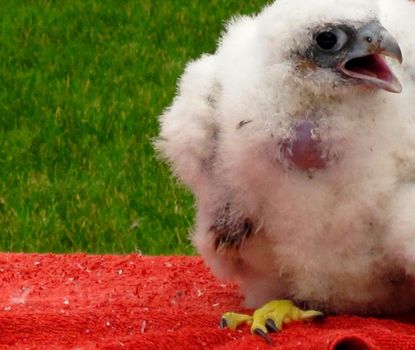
(269, 317)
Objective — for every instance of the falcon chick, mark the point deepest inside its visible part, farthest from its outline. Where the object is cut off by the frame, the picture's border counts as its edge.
(298, 139)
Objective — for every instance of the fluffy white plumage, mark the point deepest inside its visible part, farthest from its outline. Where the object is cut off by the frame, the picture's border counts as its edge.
(340, 237)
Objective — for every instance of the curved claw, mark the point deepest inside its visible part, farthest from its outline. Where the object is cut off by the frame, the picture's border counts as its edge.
(263, 335)
(311, 314)
(223, 323)
(270, 318)
(271, 326)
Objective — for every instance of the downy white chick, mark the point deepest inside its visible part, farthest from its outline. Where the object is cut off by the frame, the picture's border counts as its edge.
(298, 139)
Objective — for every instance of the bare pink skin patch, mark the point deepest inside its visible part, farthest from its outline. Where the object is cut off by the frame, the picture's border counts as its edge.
(304, 149)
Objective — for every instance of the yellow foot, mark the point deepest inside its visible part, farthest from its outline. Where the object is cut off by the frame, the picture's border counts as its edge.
(269, 318)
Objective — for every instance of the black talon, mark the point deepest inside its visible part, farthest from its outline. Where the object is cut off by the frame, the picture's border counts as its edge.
(319, 318)
(272, 327)
(263, 335)
(223, 323)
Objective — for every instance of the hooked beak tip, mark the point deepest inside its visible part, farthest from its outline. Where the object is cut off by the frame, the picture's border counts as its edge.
(393, 51)
(388, 46)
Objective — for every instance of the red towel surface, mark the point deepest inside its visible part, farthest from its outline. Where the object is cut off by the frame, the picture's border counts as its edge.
(82, 301)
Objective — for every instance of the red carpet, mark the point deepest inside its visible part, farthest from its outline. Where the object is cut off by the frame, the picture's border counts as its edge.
(133, 302)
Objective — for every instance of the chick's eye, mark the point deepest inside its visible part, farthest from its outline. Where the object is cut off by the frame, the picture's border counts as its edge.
(331, 40)
(326, 40)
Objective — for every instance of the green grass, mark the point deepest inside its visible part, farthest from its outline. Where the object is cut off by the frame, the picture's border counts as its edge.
(81, 85)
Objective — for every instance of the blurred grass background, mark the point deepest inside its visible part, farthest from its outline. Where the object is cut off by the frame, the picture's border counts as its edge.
(81, 85)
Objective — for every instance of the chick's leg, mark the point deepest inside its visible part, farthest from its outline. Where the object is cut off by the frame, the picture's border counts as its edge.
(269, 317)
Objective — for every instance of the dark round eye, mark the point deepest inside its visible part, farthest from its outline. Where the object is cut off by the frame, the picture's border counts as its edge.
(326, 40)
(331, 40)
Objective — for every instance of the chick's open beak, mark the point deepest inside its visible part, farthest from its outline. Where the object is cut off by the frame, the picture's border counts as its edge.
(366, 60)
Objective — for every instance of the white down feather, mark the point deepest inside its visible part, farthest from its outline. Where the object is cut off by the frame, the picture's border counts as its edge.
(340, 238)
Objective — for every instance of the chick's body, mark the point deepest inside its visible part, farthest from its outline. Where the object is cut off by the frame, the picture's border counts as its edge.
(304, 179)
